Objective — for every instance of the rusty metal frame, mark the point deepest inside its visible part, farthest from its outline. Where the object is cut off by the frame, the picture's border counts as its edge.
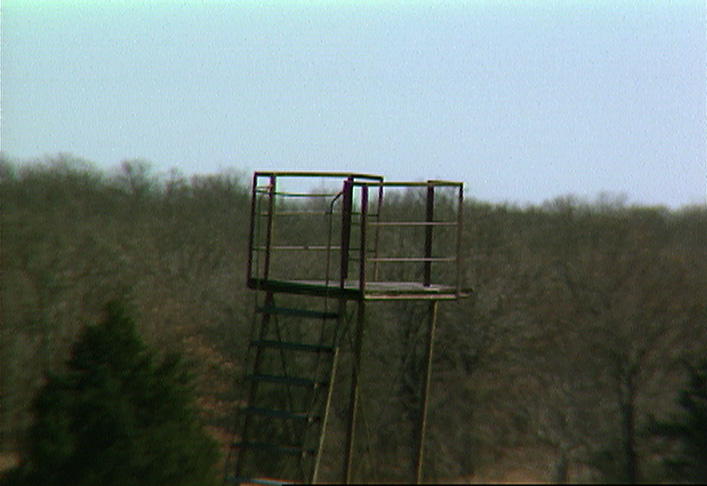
(362, 290)
(429, 223)
(271, 191)
(367, 220)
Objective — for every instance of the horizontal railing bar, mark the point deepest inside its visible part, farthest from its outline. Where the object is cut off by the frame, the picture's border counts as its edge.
(297, 194)
(317, 174)
(299, 247)
(305, 194)
(445, 182)
(284, 248)
(307, 247)
(411, 184)
(297, 213)
(412, 259)
(313, 213)
(413, 223)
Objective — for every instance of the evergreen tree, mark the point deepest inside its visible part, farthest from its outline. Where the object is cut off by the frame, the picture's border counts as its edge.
(689, 429)
(117, 417)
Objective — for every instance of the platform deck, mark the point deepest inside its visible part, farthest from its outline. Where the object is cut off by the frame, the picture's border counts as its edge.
(371, 291)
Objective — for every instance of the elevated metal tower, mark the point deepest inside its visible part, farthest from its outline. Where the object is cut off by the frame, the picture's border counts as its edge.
(316, 257)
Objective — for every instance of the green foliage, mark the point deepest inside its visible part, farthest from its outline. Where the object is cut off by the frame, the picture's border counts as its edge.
(689, 429)
(117, 417)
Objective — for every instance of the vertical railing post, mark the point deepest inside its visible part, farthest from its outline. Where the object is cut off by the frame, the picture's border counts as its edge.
(251, 231)
(358, 343)
(362, 249)
(346, 230)
(460, 230)
(429, 218)
(377, 230)
(269, 232)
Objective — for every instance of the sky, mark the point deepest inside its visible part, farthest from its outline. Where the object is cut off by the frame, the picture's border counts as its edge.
(523, 101)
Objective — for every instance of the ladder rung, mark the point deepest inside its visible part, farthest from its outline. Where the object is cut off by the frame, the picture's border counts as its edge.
(283, 414)
(287, 380)
(314, 348)
(288, 311)
(274, 447)
(264, 481)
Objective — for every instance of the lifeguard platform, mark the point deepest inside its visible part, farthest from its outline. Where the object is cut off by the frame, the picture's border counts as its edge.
(321, 246)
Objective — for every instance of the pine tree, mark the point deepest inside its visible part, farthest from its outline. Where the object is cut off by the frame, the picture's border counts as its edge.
(689, 429)
(117, 417)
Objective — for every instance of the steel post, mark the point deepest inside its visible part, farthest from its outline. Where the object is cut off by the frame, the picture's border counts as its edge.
(422, 426)
(354, 393)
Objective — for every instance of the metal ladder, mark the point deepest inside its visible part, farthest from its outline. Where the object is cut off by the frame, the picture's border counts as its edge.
(283, 423)
(293, 355)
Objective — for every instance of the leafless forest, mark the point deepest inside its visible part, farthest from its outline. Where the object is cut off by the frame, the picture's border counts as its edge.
(583, 317)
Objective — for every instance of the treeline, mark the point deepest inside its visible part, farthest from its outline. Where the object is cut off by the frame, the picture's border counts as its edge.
(583, 319)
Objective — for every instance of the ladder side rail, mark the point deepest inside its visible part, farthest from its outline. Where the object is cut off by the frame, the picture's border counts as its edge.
(289, 395)
(325, 418)
(234, 459)
(253, 387)
(354, 392)
(313, 477)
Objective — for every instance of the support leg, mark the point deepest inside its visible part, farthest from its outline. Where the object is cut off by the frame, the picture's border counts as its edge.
(353, 396)
(432, 323)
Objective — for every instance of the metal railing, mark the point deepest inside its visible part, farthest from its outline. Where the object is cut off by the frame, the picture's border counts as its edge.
(352, 219)
(429, 223)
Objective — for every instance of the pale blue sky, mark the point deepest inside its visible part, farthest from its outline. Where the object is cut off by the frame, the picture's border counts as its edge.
(523, 101)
